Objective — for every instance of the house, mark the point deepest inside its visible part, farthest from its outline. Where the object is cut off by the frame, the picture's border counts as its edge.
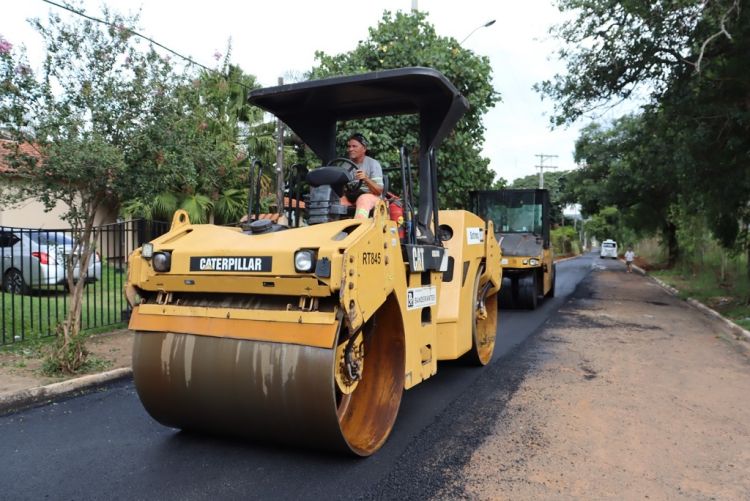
(31, 213)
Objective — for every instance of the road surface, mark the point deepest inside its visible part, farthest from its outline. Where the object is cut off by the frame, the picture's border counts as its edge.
(103, 445)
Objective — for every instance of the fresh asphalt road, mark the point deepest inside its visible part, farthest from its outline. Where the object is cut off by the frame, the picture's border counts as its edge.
(103, 445)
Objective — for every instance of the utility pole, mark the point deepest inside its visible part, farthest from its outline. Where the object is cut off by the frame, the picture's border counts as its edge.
(414, 7)
(280, 165)
(541, 167)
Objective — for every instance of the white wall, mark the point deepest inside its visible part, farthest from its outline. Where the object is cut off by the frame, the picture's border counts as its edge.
(31, 214)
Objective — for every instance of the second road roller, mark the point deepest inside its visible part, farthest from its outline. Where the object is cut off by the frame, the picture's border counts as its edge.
(310, 335)
(522, 226)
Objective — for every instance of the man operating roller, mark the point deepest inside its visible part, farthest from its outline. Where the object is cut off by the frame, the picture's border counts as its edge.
(369, 172)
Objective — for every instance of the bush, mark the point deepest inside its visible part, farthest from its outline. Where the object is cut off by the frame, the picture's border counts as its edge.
(565, 241)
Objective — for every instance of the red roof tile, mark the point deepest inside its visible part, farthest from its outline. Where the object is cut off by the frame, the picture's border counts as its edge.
(8, 148)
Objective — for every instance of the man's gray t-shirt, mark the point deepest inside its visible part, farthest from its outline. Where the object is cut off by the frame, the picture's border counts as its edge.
(373, 170)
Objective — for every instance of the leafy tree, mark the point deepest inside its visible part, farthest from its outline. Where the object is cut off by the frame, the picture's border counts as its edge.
(210, 129)
(565, 241)
(713, 116)
(605, 224)
(554, 182)
(616, 50)
(85, 114)
(500, 183)
(687, 59)
(628, 166)
(408, 39)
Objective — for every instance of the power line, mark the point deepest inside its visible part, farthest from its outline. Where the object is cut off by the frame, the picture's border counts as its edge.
(107, 23)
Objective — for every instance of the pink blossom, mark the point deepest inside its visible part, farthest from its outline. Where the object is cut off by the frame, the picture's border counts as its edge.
(217, 55)
(5, 46)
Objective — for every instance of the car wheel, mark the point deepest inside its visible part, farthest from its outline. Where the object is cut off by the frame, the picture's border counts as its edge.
(14, 283)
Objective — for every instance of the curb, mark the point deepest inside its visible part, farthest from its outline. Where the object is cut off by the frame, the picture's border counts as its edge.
(566, 258)
(11, 402)
(737, 329)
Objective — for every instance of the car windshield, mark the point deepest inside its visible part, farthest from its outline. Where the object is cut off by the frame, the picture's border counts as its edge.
(50, 238)
(609, 245)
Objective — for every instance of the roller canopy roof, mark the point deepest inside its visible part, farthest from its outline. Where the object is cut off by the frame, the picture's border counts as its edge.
(312, 108)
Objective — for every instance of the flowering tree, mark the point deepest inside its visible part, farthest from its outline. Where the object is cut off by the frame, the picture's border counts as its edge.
(85, 115)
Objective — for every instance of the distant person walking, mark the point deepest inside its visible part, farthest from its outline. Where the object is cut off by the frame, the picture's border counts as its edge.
(629, 256)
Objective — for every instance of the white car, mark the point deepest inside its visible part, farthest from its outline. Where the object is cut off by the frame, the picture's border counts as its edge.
(35, 259)
(608, 249)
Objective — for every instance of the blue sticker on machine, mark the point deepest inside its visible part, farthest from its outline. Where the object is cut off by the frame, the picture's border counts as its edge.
(230, 263)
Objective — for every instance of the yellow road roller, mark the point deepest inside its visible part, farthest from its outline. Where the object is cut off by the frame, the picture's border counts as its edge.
(309, 335)
(522, 226)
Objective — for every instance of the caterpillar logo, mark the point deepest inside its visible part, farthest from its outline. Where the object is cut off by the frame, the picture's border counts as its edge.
(242, 263)
(418, 259)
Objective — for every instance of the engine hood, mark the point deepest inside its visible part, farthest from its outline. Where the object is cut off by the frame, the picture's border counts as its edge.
(520, 244)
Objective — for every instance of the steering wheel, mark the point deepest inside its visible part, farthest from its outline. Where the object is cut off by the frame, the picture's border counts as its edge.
(355, 184)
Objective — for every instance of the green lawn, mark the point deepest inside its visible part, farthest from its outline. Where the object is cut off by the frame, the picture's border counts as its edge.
(37, 315)
(724, 289)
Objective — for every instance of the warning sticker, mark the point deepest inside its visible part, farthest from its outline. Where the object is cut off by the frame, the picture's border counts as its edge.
(474, 236)
(420, 297)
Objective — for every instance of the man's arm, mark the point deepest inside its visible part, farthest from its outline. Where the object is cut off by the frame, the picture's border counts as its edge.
(375, 188)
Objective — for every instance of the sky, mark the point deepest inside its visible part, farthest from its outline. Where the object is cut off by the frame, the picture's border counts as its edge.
(278, 38)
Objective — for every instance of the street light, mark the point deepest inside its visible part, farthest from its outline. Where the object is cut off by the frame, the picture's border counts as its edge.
(485, 25)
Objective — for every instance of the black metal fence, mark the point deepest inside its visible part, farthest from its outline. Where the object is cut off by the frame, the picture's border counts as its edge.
(34, 298)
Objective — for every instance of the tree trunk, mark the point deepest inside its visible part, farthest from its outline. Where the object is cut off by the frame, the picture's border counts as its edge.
(673, 249)
(71, 353)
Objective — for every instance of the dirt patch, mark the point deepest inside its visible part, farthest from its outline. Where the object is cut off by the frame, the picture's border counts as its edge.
(636, 396)
(22, 368)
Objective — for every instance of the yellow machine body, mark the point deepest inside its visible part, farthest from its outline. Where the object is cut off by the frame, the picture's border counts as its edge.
(522, 226)
(257, 352)
(309, 335)
(540, 263)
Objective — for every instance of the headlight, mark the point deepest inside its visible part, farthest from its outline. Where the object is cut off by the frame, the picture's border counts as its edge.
(304, 260)
(147, 250)
(162, 261)
(533, 262)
